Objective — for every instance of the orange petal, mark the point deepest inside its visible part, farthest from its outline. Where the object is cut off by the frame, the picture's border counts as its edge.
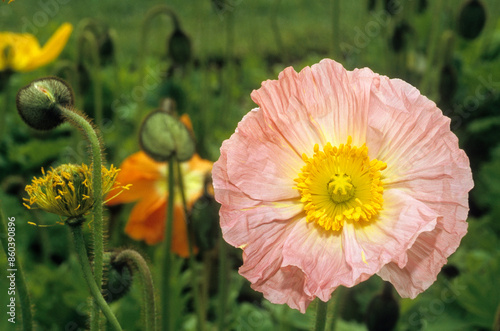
(140, 171)
(187, 121)
(147, 220)
(179, 240)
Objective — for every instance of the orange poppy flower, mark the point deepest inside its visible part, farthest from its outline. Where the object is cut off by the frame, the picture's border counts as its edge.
(149, 188)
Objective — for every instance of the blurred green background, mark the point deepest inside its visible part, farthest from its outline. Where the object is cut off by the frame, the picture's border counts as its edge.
(221, 51)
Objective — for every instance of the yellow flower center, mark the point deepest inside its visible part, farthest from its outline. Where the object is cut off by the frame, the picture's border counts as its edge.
(340, 183)
(67, 189)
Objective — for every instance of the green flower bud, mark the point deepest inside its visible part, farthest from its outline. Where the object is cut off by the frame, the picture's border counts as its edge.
(179, 47)
(422, 6)
(371, 5)
(205, 219)
(162, 136)
(392, 7)
(383, 311)
(119, 280)
(471, 19)
(401, 36)
(38, 102)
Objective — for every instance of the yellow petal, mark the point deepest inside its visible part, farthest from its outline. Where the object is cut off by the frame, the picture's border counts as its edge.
(51, 49)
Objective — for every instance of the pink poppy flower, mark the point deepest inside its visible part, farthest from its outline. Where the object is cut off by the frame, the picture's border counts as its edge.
(337, 176)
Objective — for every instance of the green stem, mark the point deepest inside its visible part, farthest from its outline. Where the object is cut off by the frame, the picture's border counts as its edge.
(167, 258)
(276, 31)
(223, 283)
(98, 225)
(88, 38)
(336, 300)
(147, 283)
(5, 76)
(194, 284)
(431, 72)
(76, 230)
(227, 77)
(22, 289)
(336, 29)
(321, 315)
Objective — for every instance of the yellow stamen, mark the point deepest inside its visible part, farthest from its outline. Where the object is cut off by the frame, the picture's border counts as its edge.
(60, 191)
(340, 184)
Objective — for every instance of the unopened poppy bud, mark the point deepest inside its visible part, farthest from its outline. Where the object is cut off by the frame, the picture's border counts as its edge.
(219, 5)
(471, 19)
(392, 7)
(162, 136)
(372, 4)
(422, 6)
(119, 280)
(400, 37)
(38, 102)
(383, 311)
(179, 47)
(205, 219)
(450, 271)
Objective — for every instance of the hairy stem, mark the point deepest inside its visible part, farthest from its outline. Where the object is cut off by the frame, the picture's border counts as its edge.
(321, 315)
(194, 284)
(147, 283)
(167, 255)
(81, 251)
(98, 225)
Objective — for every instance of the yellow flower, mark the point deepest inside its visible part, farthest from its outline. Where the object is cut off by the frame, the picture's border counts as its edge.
(67, 189)
(22, 52)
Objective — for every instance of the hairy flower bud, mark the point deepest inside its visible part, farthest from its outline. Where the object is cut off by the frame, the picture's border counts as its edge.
(119, 279)
(163, 136)
(38, 102)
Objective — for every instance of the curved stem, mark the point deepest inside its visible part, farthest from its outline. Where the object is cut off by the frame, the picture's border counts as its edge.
(194, 283)
(22, 289)
(76, 231)
(321, 315)
(84, 125)
(94, 69)
(148, 18)
(167, 257)
(147, 283)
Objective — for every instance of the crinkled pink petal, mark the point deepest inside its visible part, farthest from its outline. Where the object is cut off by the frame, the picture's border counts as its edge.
(368, 246)
(327, 102)
(260, 162)
(359, 250)
(286, 285)
(424, 160)
(425, 260)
